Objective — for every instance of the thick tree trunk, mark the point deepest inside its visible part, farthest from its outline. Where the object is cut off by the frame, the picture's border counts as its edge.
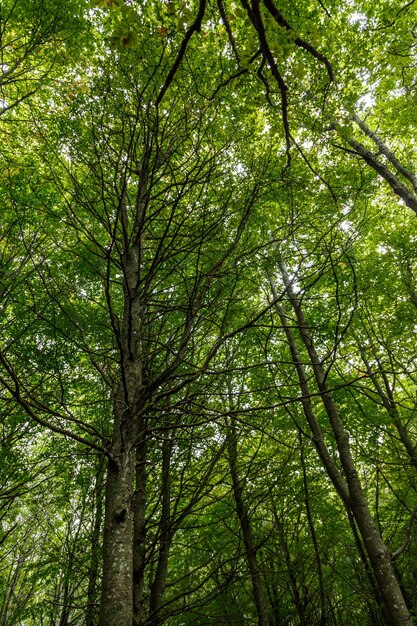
(117, 587)
(245, 525)
(378, 554)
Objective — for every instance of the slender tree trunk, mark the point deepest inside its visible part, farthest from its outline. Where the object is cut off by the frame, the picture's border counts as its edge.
(409, 281)
(389, 403)
(90, 617)
(298, 601)
(245, 525)
(375, 615)
(69, 584)
(326, 458)
(400, 188)
(318, 439)
(378, 553)
(166, 534)
(139, 542)
(383, 149)
(275, 618)
(63, 620)
(323, 599)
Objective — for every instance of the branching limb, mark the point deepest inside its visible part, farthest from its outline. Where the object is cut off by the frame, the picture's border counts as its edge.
(383, 148)
(15, 392)
(194, 28)
(301, 43)
(228, 30)
(398, 187)
(260, 28)
(407, 539)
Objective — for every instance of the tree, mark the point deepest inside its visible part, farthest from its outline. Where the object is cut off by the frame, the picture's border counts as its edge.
(160, 166)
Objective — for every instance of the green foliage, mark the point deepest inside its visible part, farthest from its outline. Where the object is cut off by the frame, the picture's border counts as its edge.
(218, 152)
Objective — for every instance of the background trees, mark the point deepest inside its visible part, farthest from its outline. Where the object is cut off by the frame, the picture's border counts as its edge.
(208, 311)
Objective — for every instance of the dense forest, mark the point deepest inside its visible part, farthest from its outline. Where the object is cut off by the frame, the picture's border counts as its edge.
(208, 262)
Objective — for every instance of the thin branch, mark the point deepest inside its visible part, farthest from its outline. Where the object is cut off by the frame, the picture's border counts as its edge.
(15, 393)
(407, 539)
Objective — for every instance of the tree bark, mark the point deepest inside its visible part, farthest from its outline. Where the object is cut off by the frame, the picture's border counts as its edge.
(245, 525)
(323, 599)
(379, 557)
(90, 617)
(389, 403)
(139, 541)
(117, 586)
(165, 536)
(299, 602)
(326, 458)
(383, 148)
(398, 187)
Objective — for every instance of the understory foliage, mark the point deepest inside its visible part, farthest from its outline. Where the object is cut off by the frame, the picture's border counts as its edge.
(208, 253)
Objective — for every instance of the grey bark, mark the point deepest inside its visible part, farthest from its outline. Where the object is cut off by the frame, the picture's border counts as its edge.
(166, 534)
(299, 602)
(139, 541)
(90, 617)
(383, 149)
(399, 188)
(117, 587)
(246, 528)
(390, 405)
(318, 438)
(379, 556)
(410, 282)
(322, 588)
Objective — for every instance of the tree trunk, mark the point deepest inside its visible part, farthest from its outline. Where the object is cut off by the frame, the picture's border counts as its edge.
(323, 599)
(295, 592)
(139, 541)
(245, 525)
(166, 534)
(378, 554)
(388, 402)
(90, 617)
(383, 149)
(398, 187)
(375, 614)
(329, 464)
(117, 587)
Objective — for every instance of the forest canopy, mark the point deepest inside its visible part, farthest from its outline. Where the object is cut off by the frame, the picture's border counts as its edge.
(208, 378)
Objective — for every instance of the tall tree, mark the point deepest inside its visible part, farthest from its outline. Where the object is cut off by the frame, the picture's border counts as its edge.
(154, 159)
